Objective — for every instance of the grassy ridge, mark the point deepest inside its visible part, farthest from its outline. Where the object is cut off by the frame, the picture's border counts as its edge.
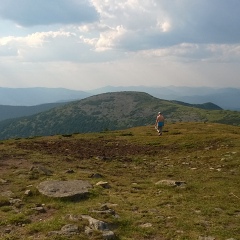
(204, 156)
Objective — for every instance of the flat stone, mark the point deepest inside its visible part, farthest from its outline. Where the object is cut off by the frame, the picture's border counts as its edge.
(206, 238)
(171, 183)
(64, 189)
(103, 184)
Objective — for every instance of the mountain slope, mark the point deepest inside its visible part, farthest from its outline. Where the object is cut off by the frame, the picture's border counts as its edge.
(110, 111)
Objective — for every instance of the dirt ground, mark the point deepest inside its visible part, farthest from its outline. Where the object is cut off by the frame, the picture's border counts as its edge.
(84, 149)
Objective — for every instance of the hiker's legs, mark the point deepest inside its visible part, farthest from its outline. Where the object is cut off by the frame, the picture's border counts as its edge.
(160, 130)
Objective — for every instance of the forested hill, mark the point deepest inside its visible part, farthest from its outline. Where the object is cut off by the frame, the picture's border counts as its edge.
(110, 111)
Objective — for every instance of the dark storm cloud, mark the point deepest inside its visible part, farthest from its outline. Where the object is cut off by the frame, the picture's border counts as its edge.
(47, 12)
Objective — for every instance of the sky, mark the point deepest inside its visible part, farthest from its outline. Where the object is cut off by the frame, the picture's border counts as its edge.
(89, 44)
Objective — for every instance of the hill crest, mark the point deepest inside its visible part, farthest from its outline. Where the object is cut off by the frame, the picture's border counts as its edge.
(109, 111)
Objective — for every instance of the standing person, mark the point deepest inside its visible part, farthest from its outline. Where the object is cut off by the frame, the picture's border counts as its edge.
(159, 123)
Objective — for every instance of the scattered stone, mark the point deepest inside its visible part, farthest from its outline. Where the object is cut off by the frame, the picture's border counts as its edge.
(108, 235)
(146, 225)
(15, 201)
(95, 175)
(106, 206)
(70, 229)
(41, 170)
(3, 181)
(70, 171)
(88, 231)
(64, 189)
(171, 183)
(28, 192)
(105, 210)
(98, 225)
(39, 209)
(67, 230)
(206, 238)
(73, 218)
(103, 184)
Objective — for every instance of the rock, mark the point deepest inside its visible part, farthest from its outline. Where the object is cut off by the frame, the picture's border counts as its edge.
(39, 209)
(95, 175)
(70, 229)
(64, 189)
(41, 170)
(146, 225)
(73, 218)
(70, 171)
(109, 211)
(104, 209)
(170, 183)
(108, 235)
(28, 192)
(67, 230)
(206, 238)
(98, 225)
(15, 201)
(103, 184)
(3, 181)
(88, 230)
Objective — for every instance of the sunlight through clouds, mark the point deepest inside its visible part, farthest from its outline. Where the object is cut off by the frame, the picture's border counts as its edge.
(120, 31)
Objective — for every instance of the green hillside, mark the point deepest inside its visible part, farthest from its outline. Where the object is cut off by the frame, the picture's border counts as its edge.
(183, 185)
(110, 111)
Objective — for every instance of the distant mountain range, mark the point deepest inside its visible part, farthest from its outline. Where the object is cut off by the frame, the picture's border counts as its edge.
(8, 112)
(226, 98)
(112, 111)
(37, 96)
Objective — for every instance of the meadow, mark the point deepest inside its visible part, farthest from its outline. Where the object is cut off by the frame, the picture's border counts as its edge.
(182, 185)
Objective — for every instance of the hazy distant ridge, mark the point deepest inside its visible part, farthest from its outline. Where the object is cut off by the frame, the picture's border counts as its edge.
(37, 96)
(226, 98)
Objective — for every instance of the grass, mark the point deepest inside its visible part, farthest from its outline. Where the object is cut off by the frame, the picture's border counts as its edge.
(205, 156)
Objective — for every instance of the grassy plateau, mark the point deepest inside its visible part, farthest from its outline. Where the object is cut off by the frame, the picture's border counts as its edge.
(203, 159)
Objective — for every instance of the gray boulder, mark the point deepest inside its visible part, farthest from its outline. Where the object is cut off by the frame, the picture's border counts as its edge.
(64, 189)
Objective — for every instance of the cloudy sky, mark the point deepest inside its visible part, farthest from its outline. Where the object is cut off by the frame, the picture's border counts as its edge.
(87, 44)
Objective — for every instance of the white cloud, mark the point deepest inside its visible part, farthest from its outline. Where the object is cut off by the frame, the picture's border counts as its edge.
(112, 39)
(32, 43)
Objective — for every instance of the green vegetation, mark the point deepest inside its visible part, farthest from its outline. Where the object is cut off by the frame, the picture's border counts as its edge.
(204, 157)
